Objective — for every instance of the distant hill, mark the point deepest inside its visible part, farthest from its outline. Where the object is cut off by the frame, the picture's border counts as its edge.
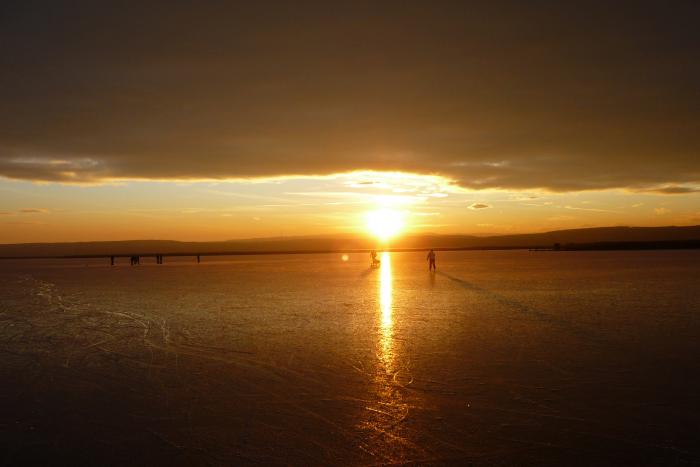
(601, 235)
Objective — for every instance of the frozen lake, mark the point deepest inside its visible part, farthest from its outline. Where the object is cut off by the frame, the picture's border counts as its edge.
(499, 358)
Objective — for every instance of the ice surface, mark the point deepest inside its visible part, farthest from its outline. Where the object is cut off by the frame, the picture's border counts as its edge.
(500, 358)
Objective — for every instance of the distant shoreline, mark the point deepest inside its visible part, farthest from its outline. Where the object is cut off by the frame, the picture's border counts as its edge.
(598, 238)
(597, 246)
(259, 253)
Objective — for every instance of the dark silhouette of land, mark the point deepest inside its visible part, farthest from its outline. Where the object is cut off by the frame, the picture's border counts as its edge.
(602, 238)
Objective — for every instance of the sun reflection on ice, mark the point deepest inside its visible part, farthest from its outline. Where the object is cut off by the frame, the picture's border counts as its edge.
(387, 437)
(387, 323)
(385, 294)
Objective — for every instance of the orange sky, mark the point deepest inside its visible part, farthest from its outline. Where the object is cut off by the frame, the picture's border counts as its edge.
(31, 212)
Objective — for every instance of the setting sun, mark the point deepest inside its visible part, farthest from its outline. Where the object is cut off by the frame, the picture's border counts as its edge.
(385, 223)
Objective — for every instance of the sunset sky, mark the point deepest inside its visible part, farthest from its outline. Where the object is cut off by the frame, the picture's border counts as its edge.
(215, 121)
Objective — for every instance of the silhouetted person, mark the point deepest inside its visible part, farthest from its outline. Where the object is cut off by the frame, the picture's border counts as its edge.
(431, 260)
(373, 258)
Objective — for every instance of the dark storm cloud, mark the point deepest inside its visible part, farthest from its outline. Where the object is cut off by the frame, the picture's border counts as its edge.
(493, 94)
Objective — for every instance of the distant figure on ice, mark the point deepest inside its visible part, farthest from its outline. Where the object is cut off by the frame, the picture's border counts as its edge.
(431, 260)
(374, 261)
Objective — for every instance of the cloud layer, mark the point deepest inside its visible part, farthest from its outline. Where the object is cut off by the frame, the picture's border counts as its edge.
(563, 97)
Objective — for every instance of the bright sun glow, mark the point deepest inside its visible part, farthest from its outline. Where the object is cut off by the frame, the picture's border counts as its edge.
(385, 223)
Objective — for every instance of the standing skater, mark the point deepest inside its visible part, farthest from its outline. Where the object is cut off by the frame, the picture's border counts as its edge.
(374, 262)
(431, 260)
